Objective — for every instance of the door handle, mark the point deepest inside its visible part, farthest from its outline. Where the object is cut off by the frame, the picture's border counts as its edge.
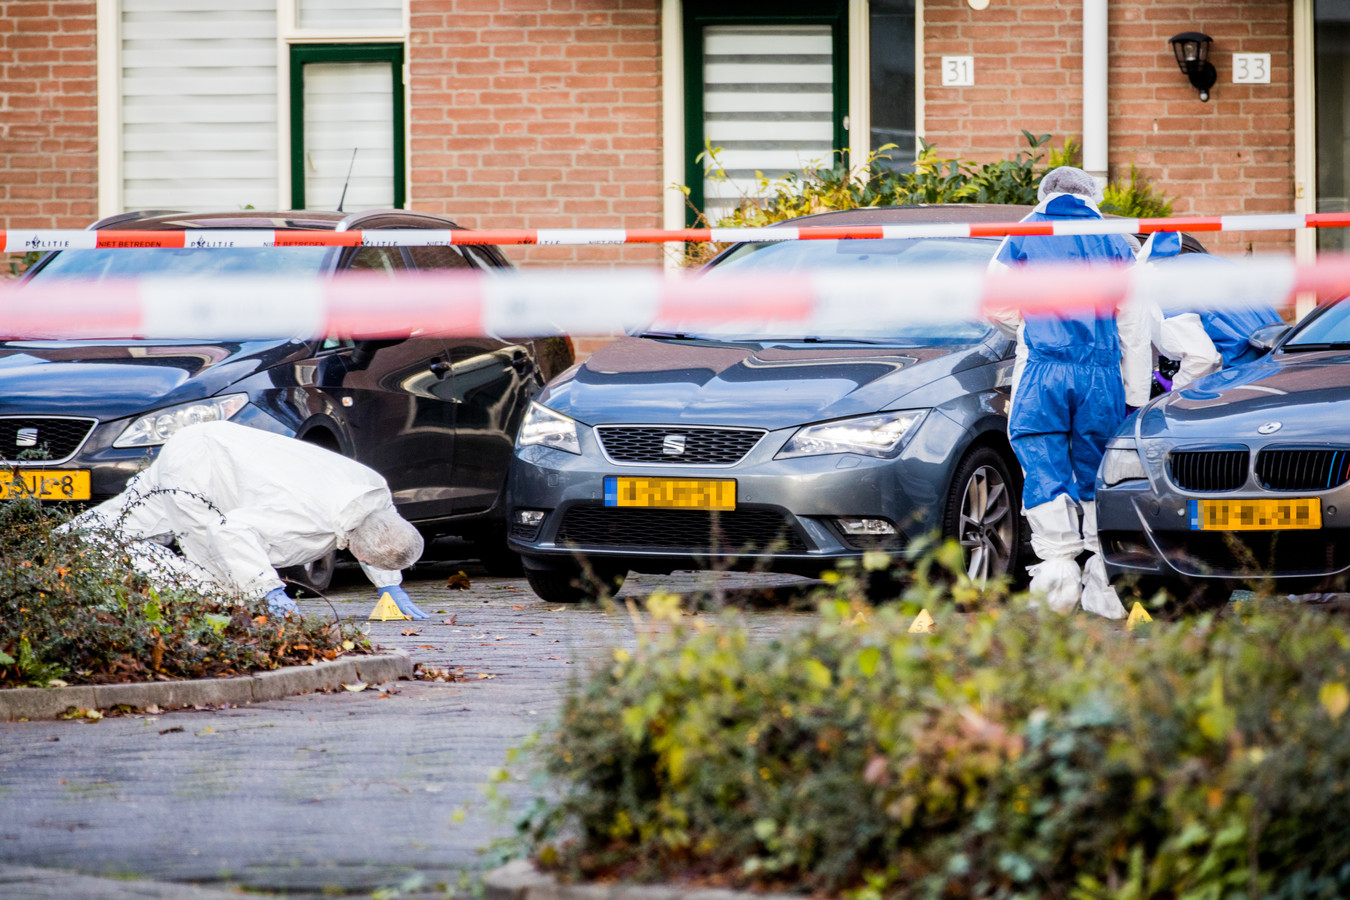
(440, 368)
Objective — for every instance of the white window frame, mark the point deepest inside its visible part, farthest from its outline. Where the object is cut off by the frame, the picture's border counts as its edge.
(108, 70)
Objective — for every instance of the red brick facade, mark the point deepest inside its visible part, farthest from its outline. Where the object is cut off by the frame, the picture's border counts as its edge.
(48, 114)
(547, 113)
(1231, 155)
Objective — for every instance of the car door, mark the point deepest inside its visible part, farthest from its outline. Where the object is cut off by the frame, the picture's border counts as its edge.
(402, 414)
(492, 381)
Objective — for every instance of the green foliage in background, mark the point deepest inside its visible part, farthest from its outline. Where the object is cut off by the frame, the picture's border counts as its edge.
(1011, 754)
(934, 179)
(74, 610)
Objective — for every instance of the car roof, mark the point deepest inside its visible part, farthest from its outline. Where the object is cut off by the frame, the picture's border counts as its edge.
(312, 220)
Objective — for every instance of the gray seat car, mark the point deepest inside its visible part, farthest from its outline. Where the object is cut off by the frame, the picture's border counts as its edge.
(746, 448)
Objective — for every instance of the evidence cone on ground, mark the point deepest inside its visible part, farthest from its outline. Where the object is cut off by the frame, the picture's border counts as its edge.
(923, 623)
(386, 609)
(1138, 616)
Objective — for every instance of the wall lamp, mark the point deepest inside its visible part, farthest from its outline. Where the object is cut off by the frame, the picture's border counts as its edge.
(1191, 49)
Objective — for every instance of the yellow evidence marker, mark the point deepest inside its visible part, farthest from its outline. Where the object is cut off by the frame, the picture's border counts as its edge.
(923, 623)
(385, 610)
(1138, 616)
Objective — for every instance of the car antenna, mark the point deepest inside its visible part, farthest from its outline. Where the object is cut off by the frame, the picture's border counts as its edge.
(343, 198)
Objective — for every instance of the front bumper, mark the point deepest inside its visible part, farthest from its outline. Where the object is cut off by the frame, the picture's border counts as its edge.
(1146, 533)
(786, 516)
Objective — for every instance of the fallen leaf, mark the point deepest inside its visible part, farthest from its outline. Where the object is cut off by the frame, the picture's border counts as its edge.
(174, 730)
(358, 686)
(348, 645)
(207, 730)
(409, 632)
(451, 620)
(458, 582)
(57, 682)
(517, 607)
(153, 710)
(482, 675)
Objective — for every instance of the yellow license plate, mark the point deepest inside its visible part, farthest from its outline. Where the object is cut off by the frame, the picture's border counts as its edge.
(1255, 514)
(671, 493)
(44, 484)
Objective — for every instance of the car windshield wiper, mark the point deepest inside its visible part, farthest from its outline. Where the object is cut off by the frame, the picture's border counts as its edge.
(670, 335)
(815, 339)
(1310, 347)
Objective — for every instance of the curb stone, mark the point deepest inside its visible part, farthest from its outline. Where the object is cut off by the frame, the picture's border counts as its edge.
(520, 880)
(48, 703)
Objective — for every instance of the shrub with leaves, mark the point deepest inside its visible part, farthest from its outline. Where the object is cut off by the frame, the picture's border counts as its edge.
(934, 179)
(1011, 754)
(74, 609)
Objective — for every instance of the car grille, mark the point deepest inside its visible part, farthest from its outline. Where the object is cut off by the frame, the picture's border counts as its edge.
(1310, 469)
(56, 437)
(1208, 470)
(700, 446)
(680, 530)
(1256, 554)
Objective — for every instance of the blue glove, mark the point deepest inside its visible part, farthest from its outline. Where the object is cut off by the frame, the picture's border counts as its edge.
(402, 601)
(278, 604)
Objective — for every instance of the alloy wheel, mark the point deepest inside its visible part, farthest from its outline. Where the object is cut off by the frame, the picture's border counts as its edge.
(986, 526)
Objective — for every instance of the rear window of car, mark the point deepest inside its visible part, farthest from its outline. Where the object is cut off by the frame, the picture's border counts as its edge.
(95, 265)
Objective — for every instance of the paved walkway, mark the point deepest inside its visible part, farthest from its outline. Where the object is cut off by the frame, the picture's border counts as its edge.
(320, 794)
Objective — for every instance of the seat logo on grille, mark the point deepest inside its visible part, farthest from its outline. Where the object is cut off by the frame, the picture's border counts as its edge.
(673, 445)
(26, 437)
(1270, 428)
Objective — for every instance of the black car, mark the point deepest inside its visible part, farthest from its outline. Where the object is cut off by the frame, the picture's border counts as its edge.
(436, 417)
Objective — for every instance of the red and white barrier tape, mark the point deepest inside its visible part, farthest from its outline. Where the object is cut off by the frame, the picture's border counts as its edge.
(575, 301)
(18, 241)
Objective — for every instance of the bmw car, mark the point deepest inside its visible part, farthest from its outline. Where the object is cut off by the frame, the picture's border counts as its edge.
(758, 449)
(1242, 478)
(436, 417)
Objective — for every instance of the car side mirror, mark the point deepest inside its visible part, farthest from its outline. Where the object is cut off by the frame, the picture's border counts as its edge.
(364, 351)
(1267, 336)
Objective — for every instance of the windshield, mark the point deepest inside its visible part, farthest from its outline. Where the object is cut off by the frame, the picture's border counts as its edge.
(1328, 331)
(95, 265)
(895, 254)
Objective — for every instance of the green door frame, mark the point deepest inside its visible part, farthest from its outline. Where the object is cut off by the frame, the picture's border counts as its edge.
(301, 55)
(700, 13)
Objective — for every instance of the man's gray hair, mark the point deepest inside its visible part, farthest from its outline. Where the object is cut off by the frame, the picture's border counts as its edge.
(385, 540)
(1068, 180)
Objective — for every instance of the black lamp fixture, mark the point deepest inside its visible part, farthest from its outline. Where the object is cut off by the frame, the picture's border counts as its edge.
(1192, 49)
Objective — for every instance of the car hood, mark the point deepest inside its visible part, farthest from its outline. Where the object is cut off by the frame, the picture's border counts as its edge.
(1305, 393)
(107, 380)
(766, 385)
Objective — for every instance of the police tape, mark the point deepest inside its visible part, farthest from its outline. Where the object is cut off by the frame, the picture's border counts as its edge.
(19, 241)
(542, 302)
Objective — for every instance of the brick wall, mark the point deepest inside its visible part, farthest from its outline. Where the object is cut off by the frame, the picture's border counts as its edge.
(539, 114)
(48, 114)
(1231, 155)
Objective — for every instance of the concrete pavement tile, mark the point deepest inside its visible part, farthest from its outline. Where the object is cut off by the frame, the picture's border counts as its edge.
(43, 703)
(31, 883)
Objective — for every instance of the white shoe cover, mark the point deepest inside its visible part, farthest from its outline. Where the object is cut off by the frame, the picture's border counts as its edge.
(1098, 595)
(1057, 541)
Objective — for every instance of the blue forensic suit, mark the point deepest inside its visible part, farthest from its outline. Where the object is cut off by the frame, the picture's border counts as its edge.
(1070, 398)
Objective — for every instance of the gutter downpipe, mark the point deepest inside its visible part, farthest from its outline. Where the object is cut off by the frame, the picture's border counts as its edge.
(1096, 63)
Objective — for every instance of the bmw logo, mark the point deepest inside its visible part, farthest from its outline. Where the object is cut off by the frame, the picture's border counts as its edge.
(1270, 428)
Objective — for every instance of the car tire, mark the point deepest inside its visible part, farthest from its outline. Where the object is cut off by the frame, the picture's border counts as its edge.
(573, 585)
(983, 515)
(315, 576)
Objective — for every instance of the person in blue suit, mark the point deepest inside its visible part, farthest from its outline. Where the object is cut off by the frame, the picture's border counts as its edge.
(1201, 340)
(1070, 396)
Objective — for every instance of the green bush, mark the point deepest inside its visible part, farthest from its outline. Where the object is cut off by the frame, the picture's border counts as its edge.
(1012, 754)
(74, 609)
(935, 179)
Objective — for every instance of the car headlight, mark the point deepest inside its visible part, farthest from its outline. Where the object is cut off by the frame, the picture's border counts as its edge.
(1122, 464)
(880, 435)
(153, 429)
(545, 428)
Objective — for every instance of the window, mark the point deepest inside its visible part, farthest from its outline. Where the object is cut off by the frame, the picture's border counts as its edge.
(893, 86)
(1331, 36)
(767, 86)
(347, 126)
